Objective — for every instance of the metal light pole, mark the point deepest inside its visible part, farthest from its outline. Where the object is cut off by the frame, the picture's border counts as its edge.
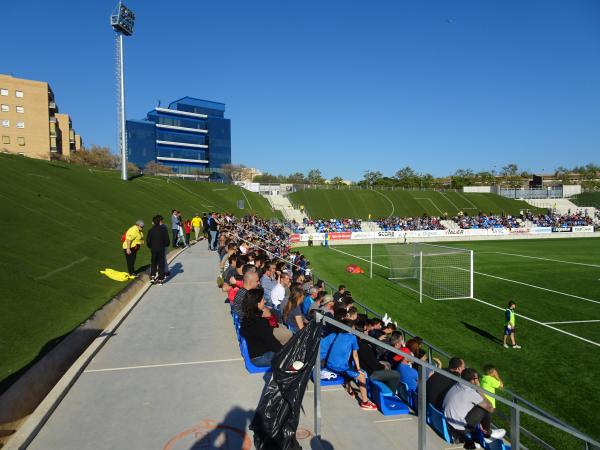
(122, 22)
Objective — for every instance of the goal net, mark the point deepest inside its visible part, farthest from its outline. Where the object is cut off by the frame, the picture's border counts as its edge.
(433, 271)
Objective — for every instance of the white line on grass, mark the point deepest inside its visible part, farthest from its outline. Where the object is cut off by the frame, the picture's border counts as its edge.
(432, 202)
(60, 269)
(547, 259)
(466, 198)
(388, 199)
(244, 194)
(151, 366)
(540, 323)
(502, 309)
(572, 321)
(446, 197)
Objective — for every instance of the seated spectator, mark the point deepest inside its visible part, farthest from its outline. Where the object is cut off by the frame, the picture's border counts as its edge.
(292, 313)
(342, 347)
(352, 313)
(438, 385)
(308, 300)
(230, 290)
(369, 363)
(250, 282)
(490, 381)
(255, 328)
(396, 340)
(340, 292)
(466, 409)
(279, 296)
(408, 375)
(268, 281)
(323, 304)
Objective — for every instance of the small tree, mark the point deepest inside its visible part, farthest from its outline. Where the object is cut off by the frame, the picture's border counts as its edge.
(337, 181)
(296, 178)
(237, 172)
(314, 177)
(155, 168)
(370, 178)
(95, 156)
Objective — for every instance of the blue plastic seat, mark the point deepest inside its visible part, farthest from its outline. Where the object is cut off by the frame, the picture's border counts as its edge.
(408, 396)
(437, 421)
(498, 444)
(389, 403)
(247, 360)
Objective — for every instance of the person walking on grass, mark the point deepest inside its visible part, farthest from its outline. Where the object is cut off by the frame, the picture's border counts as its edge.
(509, 325)
(134, 238)
(157, 241)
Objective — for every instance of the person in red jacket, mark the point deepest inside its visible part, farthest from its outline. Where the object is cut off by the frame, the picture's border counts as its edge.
(187, 228)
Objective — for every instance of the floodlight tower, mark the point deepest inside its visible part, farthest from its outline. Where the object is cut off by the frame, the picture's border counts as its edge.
(122, 21)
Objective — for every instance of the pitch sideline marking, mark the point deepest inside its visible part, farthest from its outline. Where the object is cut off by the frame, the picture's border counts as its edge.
(467, 199)
(151, 366)
(547, 259)
(502, 309)
(447, 198)
(244, 194)
(388, 199)
(572, 321)
(541, 323)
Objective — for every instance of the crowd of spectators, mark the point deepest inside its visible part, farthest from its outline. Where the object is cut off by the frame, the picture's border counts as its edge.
(486, 221)
(560, 220)
(410, 223)
(271, 290)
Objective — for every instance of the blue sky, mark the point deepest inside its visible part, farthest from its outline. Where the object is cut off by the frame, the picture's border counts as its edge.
(343, 86)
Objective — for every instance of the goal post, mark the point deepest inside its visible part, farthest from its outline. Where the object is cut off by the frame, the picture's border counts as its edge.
(434, 271)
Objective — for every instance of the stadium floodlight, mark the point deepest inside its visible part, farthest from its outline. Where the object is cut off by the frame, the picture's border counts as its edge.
(433, 271)
(122, 21)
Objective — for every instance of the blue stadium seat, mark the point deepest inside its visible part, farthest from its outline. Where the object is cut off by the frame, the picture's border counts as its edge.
(498, 444)
(408, 396)
(247, 361)
(437, 421)
(389, 404)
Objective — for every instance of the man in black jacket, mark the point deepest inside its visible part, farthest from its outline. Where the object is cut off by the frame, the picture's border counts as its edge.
(158, 241)
(438, 385)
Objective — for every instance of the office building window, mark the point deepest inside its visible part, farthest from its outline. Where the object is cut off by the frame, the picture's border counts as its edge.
(6, 123)
(20, 124)
(21, 141)
(20, 109)
(19, 94)
(4, 92)
(4, 108)
(6, 139)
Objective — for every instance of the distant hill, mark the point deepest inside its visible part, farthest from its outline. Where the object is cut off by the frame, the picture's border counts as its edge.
(63, 223)
(330, 203)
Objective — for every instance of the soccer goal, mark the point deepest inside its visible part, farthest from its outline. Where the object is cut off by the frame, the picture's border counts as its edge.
(433, 271)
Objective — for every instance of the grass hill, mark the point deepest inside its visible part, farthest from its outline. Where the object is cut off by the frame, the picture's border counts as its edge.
(587, 199)
(60, 225)
(331, 203)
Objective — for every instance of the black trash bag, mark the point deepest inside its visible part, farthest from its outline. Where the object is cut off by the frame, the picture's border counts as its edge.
(278, 413)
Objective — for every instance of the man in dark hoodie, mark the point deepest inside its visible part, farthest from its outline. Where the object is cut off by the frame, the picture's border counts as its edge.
(157, 240)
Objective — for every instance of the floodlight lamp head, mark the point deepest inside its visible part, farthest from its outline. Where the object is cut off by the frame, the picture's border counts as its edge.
(122, 20)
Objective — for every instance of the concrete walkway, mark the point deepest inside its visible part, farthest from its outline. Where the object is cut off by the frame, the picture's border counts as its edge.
(172, 378)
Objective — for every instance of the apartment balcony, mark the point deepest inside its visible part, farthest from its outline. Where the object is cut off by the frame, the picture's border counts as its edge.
(52, 106)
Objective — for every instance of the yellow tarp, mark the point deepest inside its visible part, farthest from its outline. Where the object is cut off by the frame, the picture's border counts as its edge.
(116, 275)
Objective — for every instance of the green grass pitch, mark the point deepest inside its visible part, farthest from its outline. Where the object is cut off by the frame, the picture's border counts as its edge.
(556, 285)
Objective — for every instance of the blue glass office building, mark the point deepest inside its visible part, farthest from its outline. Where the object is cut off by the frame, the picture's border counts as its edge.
(191, 136)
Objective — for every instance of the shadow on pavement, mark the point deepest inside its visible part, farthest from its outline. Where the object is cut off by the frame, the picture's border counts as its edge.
(230, 433)
(482, 333)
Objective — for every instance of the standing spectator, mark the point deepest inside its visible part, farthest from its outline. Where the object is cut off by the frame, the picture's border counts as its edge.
(174, 227)
(197, 225)
(509, 325)
(439, 385)
(157, 241)
(255, 328)
(134, 238)
(466, 409)
(278, 293)
(213, 228)
(491, 381)
(187, 227)
(205, 228)
(342, 348)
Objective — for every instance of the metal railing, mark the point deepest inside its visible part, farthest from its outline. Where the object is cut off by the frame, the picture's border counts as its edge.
(515, 399)
(515, 408)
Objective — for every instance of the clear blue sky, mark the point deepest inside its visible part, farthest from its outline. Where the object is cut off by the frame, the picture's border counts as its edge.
(343, 86)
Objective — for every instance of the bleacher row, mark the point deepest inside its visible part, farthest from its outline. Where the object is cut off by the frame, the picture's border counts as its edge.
(389, 403)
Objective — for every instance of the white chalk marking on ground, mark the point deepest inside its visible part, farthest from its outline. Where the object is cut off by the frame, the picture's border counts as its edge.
(324, 389)
(540, 323)
(403, 419)
(244, 194)
(388, 199)
(193, 193)
(547, 259)
(502, 309)
(220, 189)
(60, 269)
(466, 198)
(447, 198)
(152, 366)
(432, 202)
(572, 321)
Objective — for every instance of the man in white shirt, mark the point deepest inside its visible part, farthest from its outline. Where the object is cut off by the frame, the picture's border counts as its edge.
(466, 409)
(278, 293)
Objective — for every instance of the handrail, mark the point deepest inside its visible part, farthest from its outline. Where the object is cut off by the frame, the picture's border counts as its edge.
(515, 407)
(538, 411)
